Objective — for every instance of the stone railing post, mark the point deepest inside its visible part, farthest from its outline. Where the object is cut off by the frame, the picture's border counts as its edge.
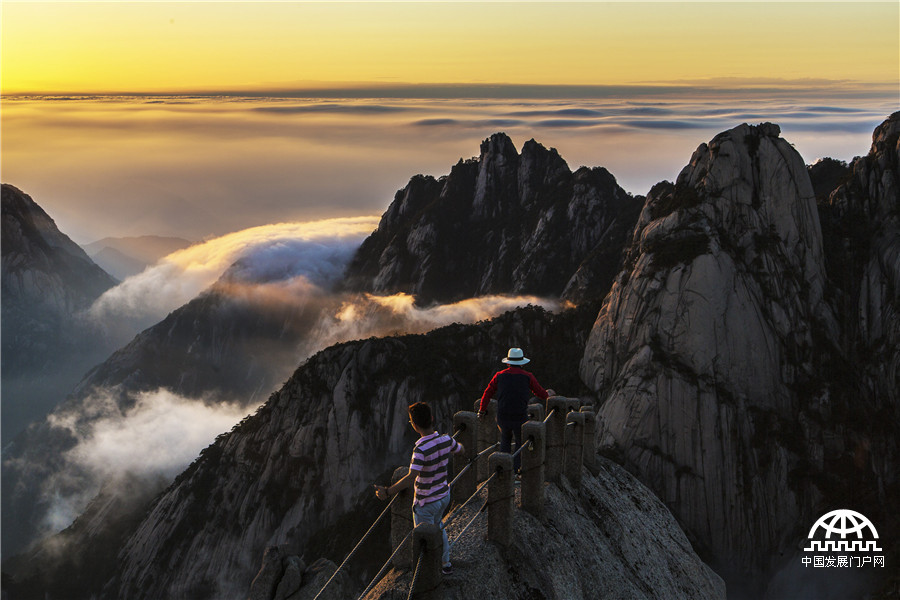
(401, 519)
(554, 437)
(501, 496)
(466, 423)
(574, 440)
(536, 412)
(427, 547)
(533, 467)
(590, 439)
(488, 435)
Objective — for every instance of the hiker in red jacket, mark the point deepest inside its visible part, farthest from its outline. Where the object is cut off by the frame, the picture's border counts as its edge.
(513, 388)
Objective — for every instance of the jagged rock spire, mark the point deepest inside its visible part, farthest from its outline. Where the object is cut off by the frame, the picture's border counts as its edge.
(503, 223)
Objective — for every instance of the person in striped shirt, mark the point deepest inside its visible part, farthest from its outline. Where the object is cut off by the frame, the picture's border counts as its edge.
(429, 473)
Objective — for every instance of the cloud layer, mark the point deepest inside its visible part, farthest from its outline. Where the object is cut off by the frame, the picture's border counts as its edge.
(316, 251)
(154, 439)
(366, 315)
(200, 166)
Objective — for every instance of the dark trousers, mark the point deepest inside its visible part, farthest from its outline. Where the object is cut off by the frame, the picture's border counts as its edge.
(508, 430)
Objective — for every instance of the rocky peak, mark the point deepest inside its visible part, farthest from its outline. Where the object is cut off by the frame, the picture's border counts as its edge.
(703, 350)
(862, 221)
(496, 192)
(41, 264)
(826, 175)
(886, 136)
(48, 281)
(754, 182)
(410, 200)
(501, 224)
(542, 174)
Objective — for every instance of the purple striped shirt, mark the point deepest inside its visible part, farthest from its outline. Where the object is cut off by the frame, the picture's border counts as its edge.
(430, 458)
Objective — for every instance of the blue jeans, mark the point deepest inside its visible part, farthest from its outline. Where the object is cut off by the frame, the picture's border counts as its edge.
(433, 512)
(508, 430)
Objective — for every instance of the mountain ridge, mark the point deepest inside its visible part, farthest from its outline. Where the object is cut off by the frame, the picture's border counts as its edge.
(123, 257)
(499, 223)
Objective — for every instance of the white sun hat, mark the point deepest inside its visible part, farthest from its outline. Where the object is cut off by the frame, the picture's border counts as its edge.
(515, 356)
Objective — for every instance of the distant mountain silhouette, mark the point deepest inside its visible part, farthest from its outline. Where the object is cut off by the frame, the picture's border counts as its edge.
(48, 281)
(127, 256)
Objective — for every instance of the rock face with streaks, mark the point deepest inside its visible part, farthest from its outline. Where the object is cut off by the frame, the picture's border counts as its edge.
(504, 223)
(717, 356)
(305, 462)
(863, 226)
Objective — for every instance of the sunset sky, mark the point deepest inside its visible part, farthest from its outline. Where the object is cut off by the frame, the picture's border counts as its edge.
(200, 119)
(174, 47)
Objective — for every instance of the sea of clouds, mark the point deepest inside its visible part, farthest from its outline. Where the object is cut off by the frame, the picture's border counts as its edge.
(195, 166)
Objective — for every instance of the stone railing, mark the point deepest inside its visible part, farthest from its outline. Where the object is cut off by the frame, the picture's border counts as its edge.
(557, 441)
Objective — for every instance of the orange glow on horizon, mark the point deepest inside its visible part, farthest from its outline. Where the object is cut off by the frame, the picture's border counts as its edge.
(166, 46)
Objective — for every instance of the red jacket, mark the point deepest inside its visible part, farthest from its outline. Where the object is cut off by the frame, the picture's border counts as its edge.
(513, 388)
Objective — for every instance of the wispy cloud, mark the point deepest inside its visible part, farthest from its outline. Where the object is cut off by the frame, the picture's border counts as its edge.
(666, 124)
(361, 109)
(316, 251)
(194, 166)
(469, 123)
(367, 315)
(156, 437)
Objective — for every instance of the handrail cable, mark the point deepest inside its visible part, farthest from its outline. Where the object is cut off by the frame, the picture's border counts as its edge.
(485, 451)
(549, 414)
(469, 464)
(383, 512)
(472, 520)
(464, 469)
(358, 544)
(384, 567)
(480, 487)
(412, 585)
(527, 443)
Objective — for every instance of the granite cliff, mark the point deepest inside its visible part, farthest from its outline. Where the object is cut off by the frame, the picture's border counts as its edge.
(47, 283)
(720, 356)
(504, 223)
